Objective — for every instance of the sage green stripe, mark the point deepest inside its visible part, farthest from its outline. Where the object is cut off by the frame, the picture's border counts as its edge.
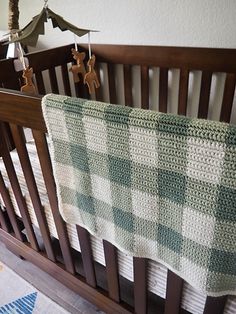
(160, 179)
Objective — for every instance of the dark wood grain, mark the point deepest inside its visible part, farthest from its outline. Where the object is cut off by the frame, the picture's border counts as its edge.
(18, 135)
(140, 285)
(65, 79)
(9, 78)
(112, 272)
(112, 83)
(203, 59)
(163, 90)
(51, 58)
(81, 90)
(173, 293)
(204, 94)
(45, 162)
(183, 92)
(3, 222)
(215, 305)
(128, 85)
(228, 97)
(53, 80)
(87, 256)
(144, 87)
(17, 190)
(3, 49)
(10, 209)
(39, 61)
(8, 138)
(98, 91)
(40, 83)
(21, 109)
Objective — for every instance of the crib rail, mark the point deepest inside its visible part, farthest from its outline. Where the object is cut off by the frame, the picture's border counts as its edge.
(204, 59)
(130, 75)
(141, 76)
(186, 60)
(25, 111)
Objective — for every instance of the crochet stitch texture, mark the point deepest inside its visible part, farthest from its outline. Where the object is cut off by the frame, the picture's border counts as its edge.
(155, 185)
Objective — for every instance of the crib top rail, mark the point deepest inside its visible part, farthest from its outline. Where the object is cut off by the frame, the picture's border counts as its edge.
(150, 77)
(23, 110)
(204, 59)
(209, 59)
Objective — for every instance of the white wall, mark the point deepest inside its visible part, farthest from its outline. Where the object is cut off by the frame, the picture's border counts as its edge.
(206, 23)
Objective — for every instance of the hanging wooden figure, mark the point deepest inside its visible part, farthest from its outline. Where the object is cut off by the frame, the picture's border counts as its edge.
(29, 36)
(78, 68)
(90, 77)
(29, 85)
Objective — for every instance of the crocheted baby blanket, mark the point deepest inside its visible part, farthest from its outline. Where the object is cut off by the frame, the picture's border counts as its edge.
(155, 185)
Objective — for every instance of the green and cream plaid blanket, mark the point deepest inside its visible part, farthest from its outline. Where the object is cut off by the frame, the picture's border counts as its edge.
(155, 185)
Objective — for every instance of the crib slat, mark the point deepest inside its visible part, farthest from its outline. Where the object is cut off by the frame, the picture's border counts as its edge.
(46, 166)
(17, 190)
(65, 78)
(53, 81)
(228, 97)
(112, 84)
(215, 305)
(8, 137)
(110, 253)
(81, 90)
(40, 83)
(163, 90)
(78, 89)
(3, 222)
(128, 85)
(140, 285)
(87, 257)
(204, 94)
(183, 92)
(98, 91)
(10, 209)
(18, 135)
(173, 293)
(145, 86)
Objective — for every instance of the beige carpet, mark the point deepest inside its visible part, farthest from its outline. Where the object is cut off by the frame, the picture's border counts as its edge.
(19, 296)
(44, 283)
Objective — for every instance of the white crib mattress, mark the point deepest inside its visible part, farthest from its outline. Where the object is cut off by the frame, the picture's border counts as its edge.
(192, 300)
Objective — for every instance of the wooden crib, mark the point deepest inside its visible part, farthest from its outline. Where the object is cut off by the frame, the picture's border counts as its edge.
(149, 77)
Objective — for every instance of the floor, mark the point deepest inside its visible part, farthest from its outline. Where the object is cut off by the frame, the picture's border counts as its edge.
(71, 301)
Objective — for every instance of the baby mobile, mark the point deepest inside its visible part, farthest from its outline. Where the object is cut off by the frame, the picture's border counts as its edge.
(29, 36)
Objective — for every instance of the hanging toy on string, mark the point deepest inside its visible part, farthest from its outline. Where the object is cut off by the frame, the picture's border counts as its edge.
(29, 85)
(27, 74)
(78, 68)
(28, 36)
(90, 77)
